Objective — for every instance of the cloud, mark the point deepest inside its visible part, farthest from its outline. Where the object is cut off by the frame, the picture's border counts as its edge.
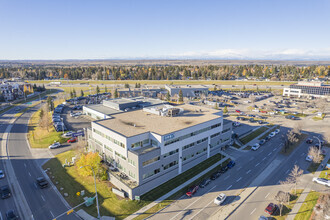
(284, 54)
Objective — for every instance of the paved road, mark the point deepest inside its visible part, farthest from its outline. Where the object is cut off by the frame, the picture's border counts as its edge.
(44, 203)
(249, 165)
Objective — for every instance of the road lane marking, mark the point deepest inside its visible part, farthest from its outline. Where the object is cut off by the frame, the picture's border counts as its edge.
(269, 153)
(275, 149)
(239, 179)
(35, 185)
(266, 195)
(29, 174)
(257, 164)
(253, 211)
(248, 171)
(227, 177)
(287, 171)
(229, 187)
(264, 158)
(1, 216)
(239, 168)
(51, 213)
(43, 198)
(25, 165)
(191, 203)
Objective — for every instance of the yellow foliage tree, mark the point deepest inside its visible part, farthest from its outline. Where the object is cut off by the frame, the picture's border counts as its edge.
(91, 159)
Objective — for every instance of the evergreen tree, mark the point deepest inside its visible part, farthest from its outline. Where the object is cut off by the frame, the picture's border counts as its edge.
(180, 96)
(168, 96)
(97, 89)
(225, 110)
(71, 94)
(105, 89)
(74, 94)
(81, 93)
(216, 106)
(116, 94)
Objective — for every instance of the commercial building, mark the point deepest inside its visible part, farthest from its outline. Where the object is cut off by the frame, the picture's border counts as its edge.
(145, 148)
(307, 89)
(119, 105)
(187, 90)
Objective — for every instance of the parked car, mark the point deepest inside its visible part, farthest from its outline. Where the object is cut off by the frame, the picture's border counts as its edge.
(255, 146)
(272, 134)
(251, 120)
(260, 122)
(271, 208)
(262, 141)
(215, 175)
(68, 134)
(309, 158)
(17, 109)
(55, 145)
(5, 192)
(192, 190)
(277, 131)
(72, 140)
(309, 140)
(2, 174)
(42, 182)
(231, 164)
(322, 181)
(267, 138)
(238, 111)
(11, 215)
(72, 114)
(262, 218)
(223, 169)
(204, 183)
(220, 199)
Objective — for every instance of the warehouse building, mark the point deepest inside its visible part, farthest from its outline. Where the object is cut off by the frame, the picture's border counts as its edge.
(147, 147)
(187, 90)
(307, 89)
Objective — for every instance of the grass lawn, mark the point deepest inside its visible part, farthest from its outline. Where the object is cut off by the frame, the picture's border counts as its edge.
(248, 147)
(236, 145)
(268, 132)
(110, 204)
(293, 146)
(253, 135)
(287, 208)
(306, 209)
(40, 137)
(325, 173)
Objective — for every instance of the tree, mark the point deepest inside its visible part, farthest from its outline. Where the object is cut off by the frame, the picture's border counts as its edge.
(90, 159)
(244, 88)
(291, 137)
(168, 96)
(294, 176)
(126, 85)
(321, 104)
(297, 128)
(82, 93)
(116, 94)
(315, 155)
(50, 103)
(180, 96)
(225, 110)
(74, 94)
(41, 113)
(105, 89)
(282, 197)
(97, 89)
(45, 121)
(216, 106)
(71, 94)
(303, 106)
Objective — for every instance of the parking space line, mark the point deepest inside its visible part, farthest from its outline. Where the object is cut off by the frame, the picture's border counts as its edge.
(257, 164)
(269, 153)
(267, 195)
(227, 177)
(25, 165)
(253, 211)
(238, 179)
(239, 168)
(229, 187)
(29, 174)
(264, 158)
(274, 149)
(43, 198)
(248, 171)
(51, 213)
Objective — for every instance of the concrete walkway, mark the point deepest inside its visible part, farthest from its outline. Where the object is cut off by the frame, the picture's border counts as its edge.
(147, 207)
(306, 191)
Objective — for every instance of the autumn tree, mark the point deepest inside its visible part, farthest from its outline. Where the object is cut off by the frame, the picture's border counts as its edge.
(294, 176)
(297, 128)
(315, 154)
(180, 96)
(292, 137)
(225, 110)
(105, 89)
(90, 159)
(44, 120)
(116, 95)
(50, 103)
(321, 104)
(282, 197)
(303, 107)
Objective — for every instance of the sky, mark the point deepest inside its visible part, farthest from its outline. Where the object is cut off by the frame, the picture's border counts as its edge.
(164, 29)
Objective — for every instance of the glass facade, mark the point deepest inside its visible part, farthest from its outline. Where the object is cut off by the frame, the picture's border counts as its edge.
(312, 90)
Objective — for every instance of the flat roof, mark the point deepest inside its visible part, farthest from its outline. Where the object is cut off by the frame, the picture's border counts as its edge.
(188, 86)
(144, 122)
(103, 109)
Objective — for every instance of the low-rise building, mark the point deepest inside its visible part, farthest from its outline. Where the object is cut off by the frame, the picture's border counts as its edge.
(307, 89)
(187, 90)
(145, 148)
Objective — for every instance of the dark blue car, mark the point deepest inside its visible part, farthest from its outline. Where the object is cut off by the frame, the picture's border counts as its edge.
(231, 164)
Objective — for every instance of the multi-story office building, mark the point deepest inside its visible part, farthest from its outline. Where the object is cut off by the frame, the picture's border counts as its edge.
(307, 89)
(187, 90)
(146, 148)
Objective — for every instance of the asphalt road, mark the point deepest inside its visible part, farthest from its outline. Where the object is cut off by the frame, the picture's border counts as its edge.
(44, 203)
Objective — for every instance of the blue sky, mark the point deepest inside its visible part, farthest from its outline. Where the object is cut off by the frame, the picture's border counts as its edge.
(105, 29)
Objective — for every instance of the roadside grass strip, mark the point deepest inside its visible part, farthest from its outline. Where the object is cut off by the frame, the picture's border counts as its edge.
(288, 151)
(306, 208)
(288, 207)
(268, 132)
(325, 172)
(253, 135)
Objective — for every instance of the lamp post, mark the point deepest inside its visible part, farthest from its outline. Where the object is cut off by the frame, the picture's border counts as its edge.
(62, 126)
(97, 199)
(319, 143)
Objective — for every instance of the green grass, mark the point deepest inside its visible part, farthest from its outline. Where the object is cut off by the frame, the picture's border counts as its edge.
(313, 166)
(236, 145)
(325, 172)
(288, 207)
(306, 209)
(268, 132)
(253, 135)
(288, 151)
(248, 147)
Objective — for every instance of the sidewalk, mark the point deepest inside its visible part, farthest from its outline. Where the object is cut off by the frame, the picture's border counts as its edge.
(145, 208)
(306, 191)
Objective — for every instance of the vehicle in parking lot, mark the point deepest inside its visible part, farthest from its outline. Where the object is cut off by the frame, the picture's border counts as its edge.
(309, 140)
(215, 175)
(192, 190)
(267, 138)
(322, 181)
(220, 199)
(309, 158)
(78, 113)
(255, 146)
(263, 218)
(204, 183)
(2, 174)
(271, 208)
(260, 122)
(277, 131)
(231, 164)
(238, 111)
(236, 124)
(272, 134)
(17, 109)
(5, 192)
(42, 182)
(11, 215)
(262, 141)
(72, 140)
(68, 134)
(251, 120)
(223, 169)
(55, 145)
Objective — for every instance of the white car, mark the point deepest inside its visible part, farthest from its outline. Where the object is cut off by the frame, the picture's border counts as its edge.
(272, 134)
(309, 158)
(68, 134)
(255, 146)
(277, 131)
(220, 199)
(322, 181)
(55, 145)
(2, 174)
(78, 114)
(236, 124)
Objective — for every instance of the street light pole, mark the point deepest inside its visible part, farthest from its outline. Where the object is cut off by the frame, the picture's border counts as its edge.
(62, 126)
(319, 143)
(97, 199)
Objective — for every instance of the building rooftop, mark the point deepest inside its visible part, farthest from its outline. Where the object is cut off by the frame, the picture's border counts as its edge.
(138, 122)
(103, 109)
(188, 86)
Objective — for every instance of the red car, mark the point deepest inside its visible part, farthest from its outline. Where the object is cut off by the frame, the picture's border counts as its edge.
(191, 191)
(238, 111)
(271, 208)
(263, 112)
(72, 140)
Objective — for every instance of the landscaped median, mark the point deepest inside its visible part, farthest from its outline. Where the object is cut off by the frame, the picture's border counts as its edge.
(288, 207)
(111, 205)
(325, 172)
(246, 139)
